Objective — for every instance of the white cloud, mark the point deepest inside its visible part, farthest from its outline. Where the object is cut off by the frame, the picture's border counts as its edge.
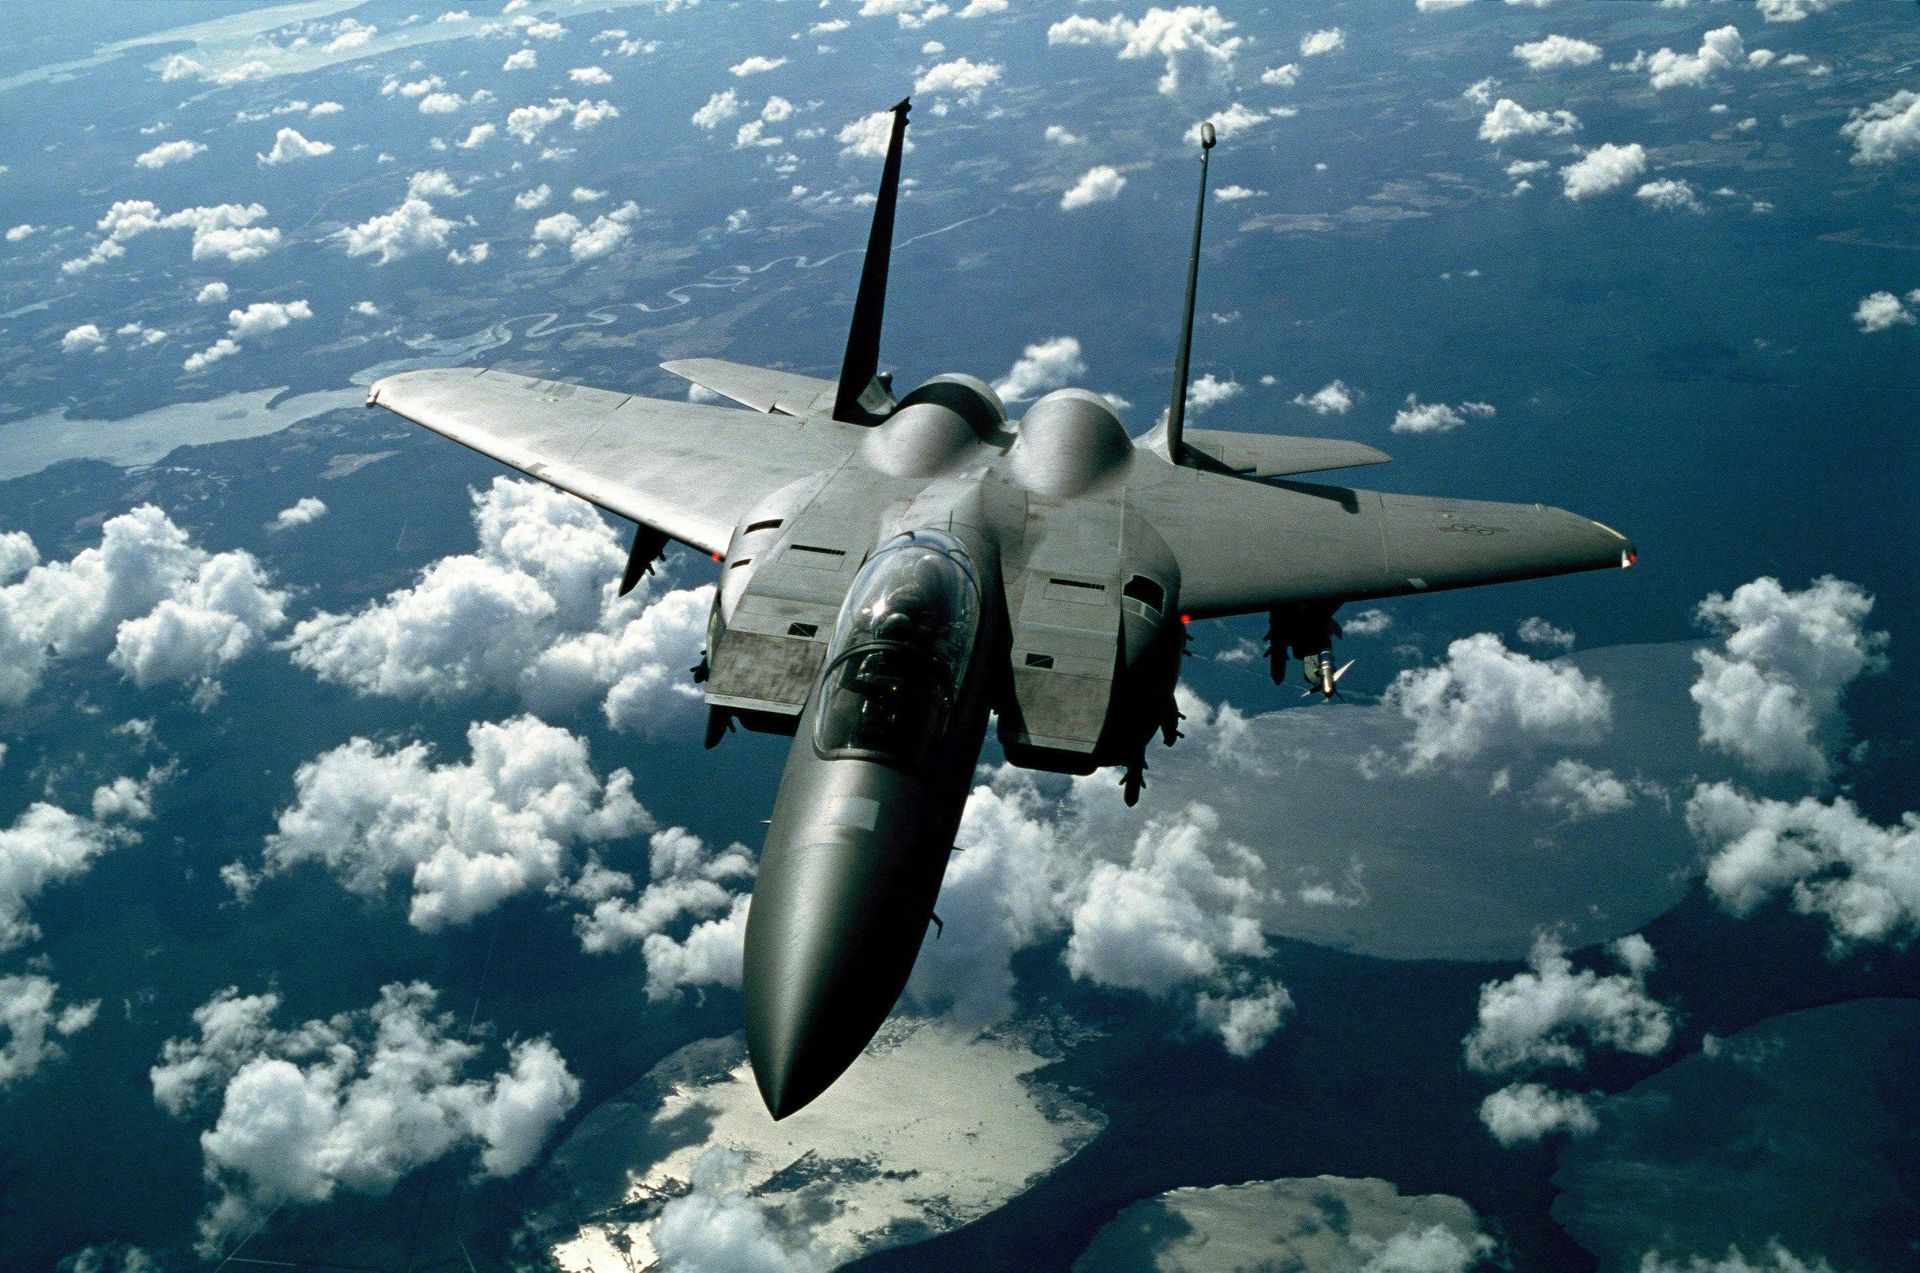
(1332, 398)
(1792, 10)
(688, 886)
(470, 256)
(411, 227)
(521, 60)
(776, 110)
(1210, 391)
(33, 1027)
(17, 233)
(1525, 1113)
(1605, 168)
(961, 78)
(1577, 790)
(720, 108)
(1720, 50)
(585, 241)
(867, 137)
(1885, 131)
(350, 35)
(1537, 631)
(1486, 695)
(717, 1227)
(48, 845)
(226, 231)
(1556, 50)
(1879, 311)
(257, 319)
(441, 103)
(589, 75)
(1059, 135)
(980, 8)
(169, 152)
(528, 122)
(1669, 193)
(532, 612)
(1098, 184)
(302, 512)
(214, 293)
(351, 1102)
(165, 609)
(1285, 75)
(1237, 119)
(1189, 35)
(528, 200)
(1050, 364)
(1771, 694)
(1233, 194)
(1552, 1015)
(759, 65)
(83, 339)
(289, 145)
(478, 135)
(1245, 1022)
(1437, 417)
(325, 108)
(1316, 43)
(1509, 119)
(1833, 862)
(465, 836)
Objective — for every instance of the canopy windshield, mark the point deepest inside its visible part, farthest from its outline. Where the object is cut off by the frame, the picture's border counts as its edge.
(900, 650)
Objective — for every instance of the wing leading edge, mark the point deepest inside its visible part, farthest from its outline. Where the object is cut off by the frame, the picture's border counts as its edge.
(1250, 546)
(688, 470)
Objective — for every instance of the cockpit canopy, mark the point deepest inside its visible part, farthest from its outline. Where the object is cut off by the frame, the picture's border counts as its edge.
(900, 650)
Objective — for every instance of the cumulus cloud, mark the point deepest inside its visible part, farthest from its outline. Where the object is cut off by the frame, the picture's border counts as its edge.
(961, 78)
(1332, 398)
(1235, 193)
(589, 75)
(48, 845)
(257, 319)
(351, 1102)
(1525, 1113)
(1553, 1015)
(24, 230)
(723, 106)
(1670, 193)
(1538, 631)
(587, 240)
(1771, 693)
(1879, 311)
(716, 1227)
(86, 338)
(1556, 50)
(866, 137)
(1285, 75)
(1577, 790)
(164, 609)
(1050, 364)
(465, 835)
(1188, 36)
(1832, 861)
(303, 512)
(528, 122)
(1605, 168)
(1486, 695)
(521, 60)
(528, 200)
(1792, 10)
(411, 227)
(224, 231)
(532, 612)
(214, 293)
(688, 886)
(34, 1027)
(169, 152)
(1174, 912)
(1316, 43)
(289, 145)
(1509, 119)
(1210, 391)
(1437, 417)
(1720, 50)
(1885, 131)
(759, 65)
(1096, 185)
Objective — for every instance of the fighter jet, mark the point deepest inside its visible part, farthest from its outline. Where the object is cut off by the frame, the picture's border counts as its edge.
(896, 572)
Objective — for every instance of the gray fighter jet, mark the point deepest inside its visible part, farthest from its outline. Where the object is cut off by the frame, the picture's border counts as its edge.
(895, 571)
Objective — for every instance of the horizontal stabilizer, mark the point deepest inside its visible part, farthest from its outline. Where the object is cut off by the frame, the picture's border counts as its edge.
(1269, 455)
(761, 388)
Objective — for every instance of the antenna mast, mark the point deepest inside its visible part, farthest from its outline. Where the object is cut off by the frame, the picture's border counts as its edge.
(1177, 410)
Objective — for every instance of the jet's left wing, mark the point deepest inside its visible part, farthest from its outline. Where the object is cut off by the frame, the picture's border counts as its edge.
(1246, 546)
(688, 470)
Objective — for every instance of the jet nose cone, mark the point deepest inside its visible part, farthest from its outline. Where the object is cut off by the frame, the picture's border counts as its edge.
(831, 937)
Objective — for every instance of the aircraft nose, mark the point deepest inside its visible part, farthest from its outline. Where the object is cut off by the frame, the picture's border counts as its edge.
(832, 934)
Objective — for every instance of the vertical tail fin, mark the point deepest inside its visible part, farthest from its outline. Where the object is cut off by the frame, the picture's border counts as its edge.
(862, 397)
(1172, 447)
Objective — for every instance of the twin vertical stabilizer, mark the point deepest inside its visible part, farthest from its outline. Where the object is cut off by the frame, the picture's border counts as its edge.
(862, 398)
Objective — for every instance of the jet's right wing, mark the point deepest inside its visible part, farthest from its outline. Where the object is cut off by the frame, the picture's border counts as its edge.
(688, 470)
(1249, 546)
